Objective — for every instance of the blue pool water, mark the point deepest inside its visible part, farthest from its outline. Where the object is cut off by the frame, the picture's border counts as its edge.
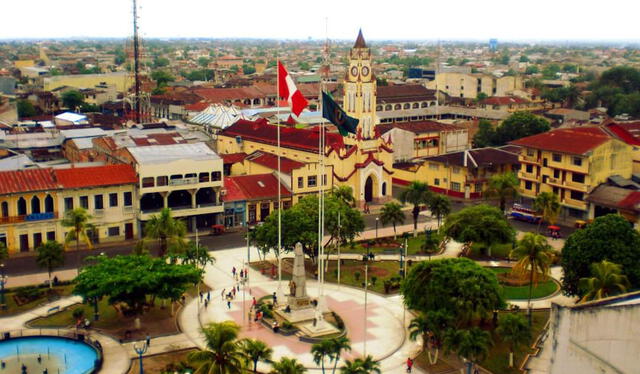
(58, 355)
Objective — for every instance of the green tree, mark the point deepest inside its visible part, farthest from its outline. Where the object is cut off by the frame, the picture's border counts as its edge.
(519, 125)
(457, 287)
(607, 280)
(503, 186)
(248, 69)
(440, 206)
(131, 279)
(255, 351)
(531, 69)
(551, 71)
(430, 327)
(50, 256)
(369, 365)
(547, 204)
(160, 62)
(485, 135)
(72, 99)
(322, 351)
(481, 224)
(352, 367)
(26, 109)
(392, 213)
(534, 256)
(169, 231)
(344, 193)
(162, 78)
(417, 193)
(120, 56)
(204, 61)
(339, 345)
(4, 252)
(223, 354)
(472, 344)
(610, 238)
(515, 331)
(481, 96)
(78, 221)
(287, 366)
(197, 255)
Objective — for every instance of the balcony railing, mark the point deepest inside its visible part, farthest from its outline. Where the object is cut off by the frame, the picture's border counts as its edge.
(529, 158)
(28, 218)
(576, 186)
(183, 181)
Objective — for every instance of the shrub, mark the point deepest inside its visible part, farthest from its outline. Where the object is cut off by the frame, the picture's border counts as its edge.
(356, 275)
(286, 325)
(29, 293)
(374, 279)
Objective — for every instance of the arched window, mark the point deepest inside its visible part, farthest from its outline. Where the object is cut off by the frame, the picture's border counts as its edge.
(388, 107)
(35, 204)
(22, 207)
(384, 188)
(48, 204)
(424, 104)
(397, 107)
(416, 105)
(378, 108)
(5, 209)
(407, 106)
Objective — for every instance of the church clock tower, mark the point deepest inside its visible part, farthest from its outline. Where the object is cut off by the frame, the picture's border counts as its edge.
(360, 88)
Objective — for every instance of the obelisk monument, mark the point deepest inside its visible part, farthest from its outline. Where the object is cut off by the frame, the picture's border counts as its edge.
(298, 298)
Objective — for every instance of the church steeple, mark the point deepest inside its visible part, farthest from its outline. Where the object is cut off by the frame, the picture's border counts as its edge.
(360, 43)
(360, 88)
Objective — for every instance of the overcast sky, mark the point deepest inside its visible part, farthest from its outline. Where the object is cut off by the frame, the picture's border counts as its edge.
(288, 19)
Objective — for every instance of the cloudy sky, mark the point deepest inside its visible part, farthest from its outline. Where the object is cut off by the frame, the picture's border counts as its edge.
(288, 19)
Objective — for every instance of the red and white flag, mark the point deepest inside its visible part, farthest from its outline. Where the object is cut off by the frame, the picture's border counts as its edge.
(288, 91)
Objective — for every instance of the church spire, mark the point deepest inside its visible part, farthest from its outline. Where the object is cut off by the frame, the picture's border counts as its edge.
(360, 41)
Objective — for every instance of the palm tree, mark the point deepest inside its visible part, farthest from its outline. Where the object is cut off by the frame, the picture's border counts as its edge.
(392, 213)
(352, 367)
(78, 220)
(472, 344)
(223, 353)
(430, 327)
(607, 280)
(439, 206)
(344, 194)
(50, 256)
(339, 345)
(534, 256)
(322, 350)
(503, 187)
(547, 204)
(287, 366)
(256, 350)
(515, 331)
(169, 231)
(417, 193)
(4, 252)
(369, 365)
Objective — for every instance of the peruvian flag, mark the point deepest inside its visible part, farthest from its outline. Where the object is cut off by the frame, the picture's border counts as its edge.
(288, 90)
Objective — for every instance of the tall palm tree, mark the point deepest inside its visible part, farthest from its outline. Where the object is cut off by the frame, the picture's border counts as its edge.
(430, 327)
(503, 187)
(322, 351)
(78, 220)
(169, 231)
(417, 193)
(338, 346)
(547, 204)
(256, 350)
(392, 213)
(534, 256)
(515, 331)
(287, 366)
(439, 206)
(223, 354)
(369, 365)
(472, 344)
(352, 367)
(607, 280)
(50, 256)
(344, 194)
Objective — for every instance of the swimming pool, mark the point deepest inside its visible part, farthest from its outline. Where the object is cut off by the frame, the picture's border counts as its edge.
(56, 354)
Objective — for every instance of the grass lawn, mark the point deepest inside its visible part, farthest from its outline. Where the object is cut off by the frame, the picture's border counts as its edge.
(14, 308)
(389, 247)
(498, 251)
(543, 289)
(163, 363)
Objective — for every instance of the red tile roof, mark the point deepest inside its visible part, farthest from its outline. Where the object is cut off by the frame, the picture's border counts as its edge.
(254, 187)
(302, 139)
(577, 141)
(159, 139)
(270, 161)
(232, 158)
(627, 132)
(93, 176)
(503, 100)
(18, 181)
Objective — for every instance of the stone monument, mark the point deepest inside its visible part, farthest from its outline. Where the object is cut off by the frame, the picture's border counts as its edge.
(298, 298)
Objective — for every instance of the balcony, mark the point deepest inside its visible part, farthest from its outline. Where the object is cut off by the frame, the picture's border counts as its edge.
(183, 181)
(529, 159)
(576, 186)
(529, 176)
(576, 204)
(28, 218)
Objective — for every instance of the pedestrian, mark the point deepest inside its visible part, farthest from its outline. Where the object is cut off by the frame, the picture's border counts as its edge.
(228, 303)
(222, 294)
(208, 295)
(275, 299)
(200, 296)
(241, 273)
(409, 364)
(206, 303)
(234, 291)
(238, 287)
(246, 273)
(148, 340)
(253, 303)
(233, 271)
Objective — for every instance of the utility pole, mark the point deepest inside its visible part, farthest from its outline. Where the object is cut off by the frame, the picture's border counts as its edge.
(136, 62)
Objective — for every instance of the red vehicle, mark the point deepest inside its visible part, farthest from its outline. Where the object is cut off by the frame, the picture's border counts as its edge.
(217, 229)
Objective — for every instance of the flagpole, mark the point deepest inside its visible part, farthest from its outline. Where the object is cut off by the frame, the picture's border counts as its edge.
(279, 294)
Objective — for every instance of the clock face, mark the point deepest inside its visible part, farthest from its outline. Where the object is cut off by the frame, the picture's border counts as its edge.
(365, 71)
(354, 71)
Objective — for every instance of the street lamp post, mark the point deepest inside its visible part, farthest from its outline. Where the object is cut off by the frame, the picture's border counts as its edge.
(3, 280)
(377, 219)
(365, 259)
(140, 348)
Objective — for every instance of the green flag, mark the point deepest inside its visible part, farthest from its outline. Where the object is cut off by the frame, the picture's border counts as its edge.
(332, 112)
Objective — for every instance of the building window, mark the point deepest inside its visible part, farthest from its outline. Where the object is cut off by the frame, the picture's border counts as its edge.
(5, 209)
(147, 182)
(97, 202)
(478, 187)
(113, 199)
(530, 152)
(84, 202)
(113, 231)
(577, 161)
(557, 157)
(37, 239)
(51, 236)
(575, 195)
(162, 180)
(204, 177)
(529, 168)
(68, 203)
(578, 178)
(324, 180)
(456, 170)
(127, 199)
(528, 185)
(311, 181)
(35, 204)
(436, 182)
(300, 182)
(455, 186)
(556, 173)
(434, 166)
(216, 176)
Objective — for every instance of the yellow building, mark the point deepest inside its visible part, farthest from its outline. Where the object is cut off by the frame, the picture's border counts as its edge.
(28, 208)
(423, 138)
(462, 174)
(468, 86)
(571, 163)
(121, 80)
(251, 198)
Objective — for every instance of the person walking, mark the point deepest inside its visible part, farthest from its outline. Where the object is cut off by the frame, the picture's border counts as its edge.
(208, 295)
(253, 303)
(228, 302)
(222, 293)
(409, 365)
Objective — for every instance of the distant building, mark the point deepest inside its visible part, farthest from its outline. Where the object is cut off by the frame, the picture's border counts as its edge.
(468, 86)
(121, 80)
(423, 138)
(493, 45)
(8, 85)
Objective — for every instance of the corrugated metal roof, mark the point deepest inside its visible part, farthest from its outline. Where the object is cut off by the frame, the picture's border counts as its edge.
(166, 153)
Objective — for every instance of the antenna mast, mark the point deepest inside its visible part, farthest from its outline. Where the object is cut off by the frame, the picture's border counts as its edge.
(136, 64)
